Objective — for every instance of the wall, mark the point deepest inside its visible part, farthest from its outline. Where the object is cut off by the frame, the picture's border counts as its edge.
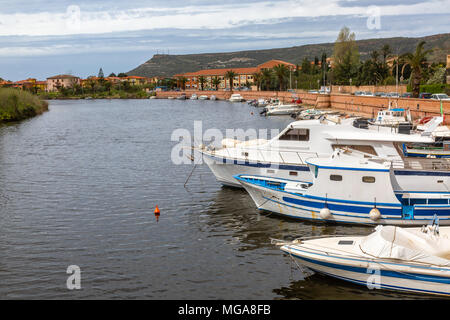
(402, 88)
(368, 106)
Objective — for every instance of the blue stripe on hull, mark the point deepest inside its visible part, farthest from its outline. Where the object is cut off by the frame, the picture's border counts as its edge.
(339, 207)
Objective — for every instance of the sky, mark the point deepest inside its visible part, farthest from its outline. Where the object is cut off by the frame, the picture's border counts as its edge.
(40, 38)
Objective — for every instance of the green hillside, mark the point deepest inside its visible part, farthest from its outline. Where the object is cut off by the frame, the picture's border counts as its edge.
(168, 65)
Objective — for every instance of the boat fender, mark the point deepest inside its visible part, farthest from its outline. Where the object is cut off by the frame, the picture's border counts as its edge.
(375, 214)
(325, 213)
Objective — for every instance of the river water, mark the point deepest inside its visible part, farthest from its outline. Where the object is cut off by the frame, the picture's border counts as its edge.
(79, 184)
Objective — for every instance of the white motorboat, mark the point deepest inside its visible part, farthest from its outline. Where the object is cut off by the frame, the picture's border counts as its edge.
(213, 97)
(281, 109)
(193, 97)
(347, 187)
(392, 258)
(203, 97)
(284, 155)
(236, 97)
(392, 117)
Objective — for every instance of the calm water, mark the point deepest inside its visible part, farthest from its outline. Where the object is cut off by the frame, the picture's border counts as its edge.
(78, 185)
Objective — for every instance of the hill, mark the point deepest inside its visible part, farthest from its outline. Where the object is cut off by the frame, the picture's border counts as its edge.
(168, 65)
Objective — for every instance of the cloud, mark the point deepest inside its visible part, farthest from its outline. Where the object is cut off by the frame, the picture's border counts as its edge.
(76, 20)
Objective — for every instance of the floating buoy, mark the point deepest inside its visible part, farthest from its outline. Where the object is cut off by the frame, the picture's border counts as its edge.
(325, 213)
(157, 213)
(251, 113)
(375, 214)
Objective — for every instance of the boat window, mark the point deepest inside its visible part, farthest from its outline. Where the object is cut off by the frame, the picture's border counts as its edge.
(296, 135)
(368, 179)
(362, 148)
(347, 242)
(293, 173)
(270, 171)
(335, 177)
(437, 201)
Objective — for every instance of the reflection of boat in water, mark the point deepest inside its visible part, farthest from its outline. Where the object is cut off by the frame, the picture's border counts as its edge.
(348, 187)
(393, 258)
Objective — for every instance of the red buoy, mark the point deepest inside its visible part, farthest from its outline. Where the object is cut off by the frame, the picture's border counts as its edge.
(157, 213)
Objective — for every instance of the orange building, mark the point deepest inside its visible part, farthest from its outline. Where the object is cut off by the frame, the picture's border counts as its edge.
(243, 76)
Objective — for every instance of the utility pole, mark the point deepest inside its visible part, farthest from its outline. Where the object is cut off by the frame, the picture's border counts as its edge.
(396, 74)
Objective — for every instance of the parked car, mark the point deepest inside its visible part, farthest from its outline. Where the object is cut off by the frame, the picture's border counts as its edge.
(406, 95)
(368, 94)
(358, 93)
(379, 94)
(313, 91)
(425, 95)
(440, 96)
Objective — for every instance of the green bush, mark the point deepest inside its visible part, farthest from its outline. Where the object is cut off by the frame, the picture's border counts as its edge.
(434, 88)
(17, 104)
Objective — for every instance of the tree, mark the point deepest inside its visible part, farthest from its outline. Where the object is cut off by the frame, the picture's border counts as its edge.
(346, 56)
(266, 79)
(202, 81)
(122, 75)
(230, 76)
(257, 77)
(100, 73)
(418, 62)
(183, 81)
(385, 52)
(281, 73)
(112, 74)
(306, 66)
(215, 82)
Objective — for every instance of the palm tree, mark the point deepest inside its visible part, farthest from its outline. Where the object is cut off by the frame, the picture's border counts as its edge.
(281, 73)
(215, 82)
(266, 78)
(417, 62)
(202, 81)
(257, 77)
(230, 75)
(182, 81)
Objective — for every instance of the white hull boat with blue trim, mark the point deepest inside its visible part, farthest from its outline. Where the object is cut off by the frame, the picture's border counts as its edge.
(347, 189)
(284, 155)
(393, 258)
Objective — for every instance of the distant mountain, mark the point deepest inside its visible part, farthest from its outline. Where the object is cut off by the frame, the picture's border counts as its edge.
(168, 65)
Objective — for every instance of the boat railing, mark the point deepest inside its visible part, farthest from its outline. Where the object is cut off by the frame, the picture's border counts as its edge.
(279, 154)
(422, 164)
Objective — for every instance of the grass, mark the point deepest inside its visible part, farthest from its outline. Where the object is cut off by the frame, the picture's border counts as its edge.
(17, 105)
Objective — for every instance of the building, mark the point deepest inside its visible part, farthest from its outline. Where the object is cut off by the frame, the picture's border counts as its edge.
(244, 76)
(62, 81)
(448, 69)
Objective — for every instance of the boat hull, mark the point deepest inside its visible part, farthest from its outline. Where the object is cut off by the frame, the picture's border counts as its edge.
(308, 207)
(410, 180)
(389, 275)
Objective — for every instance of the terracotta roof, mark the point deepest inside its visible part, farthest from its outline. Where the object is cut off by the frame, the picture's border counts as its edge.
(220, 72)
(62, 76)
(272, 63)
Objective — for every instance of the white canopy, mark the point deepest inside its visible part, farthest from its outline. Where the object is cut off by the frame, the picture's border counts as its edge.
(413, 244)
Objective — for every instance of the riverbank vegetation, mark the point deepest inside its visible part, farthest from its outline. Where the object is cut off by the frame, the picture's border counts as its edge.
(18, 104)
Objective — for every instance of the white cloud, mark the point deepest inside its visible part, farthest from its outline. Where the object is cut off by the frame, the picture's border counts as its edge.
(193, 17)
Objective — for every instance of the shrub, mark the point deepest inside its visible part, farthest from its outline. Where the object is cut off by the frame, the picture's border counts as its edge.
(17, 104)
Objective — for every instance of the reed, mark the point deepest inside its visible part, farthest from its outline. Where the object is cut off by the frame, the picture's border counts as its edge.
(18, 104)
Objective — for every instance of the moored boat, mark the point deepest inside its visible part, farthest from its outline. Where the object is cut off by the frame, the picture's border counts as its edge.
(236, 97)
(392, 258)
(193, 97)
(347, 187)
(203, 97)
